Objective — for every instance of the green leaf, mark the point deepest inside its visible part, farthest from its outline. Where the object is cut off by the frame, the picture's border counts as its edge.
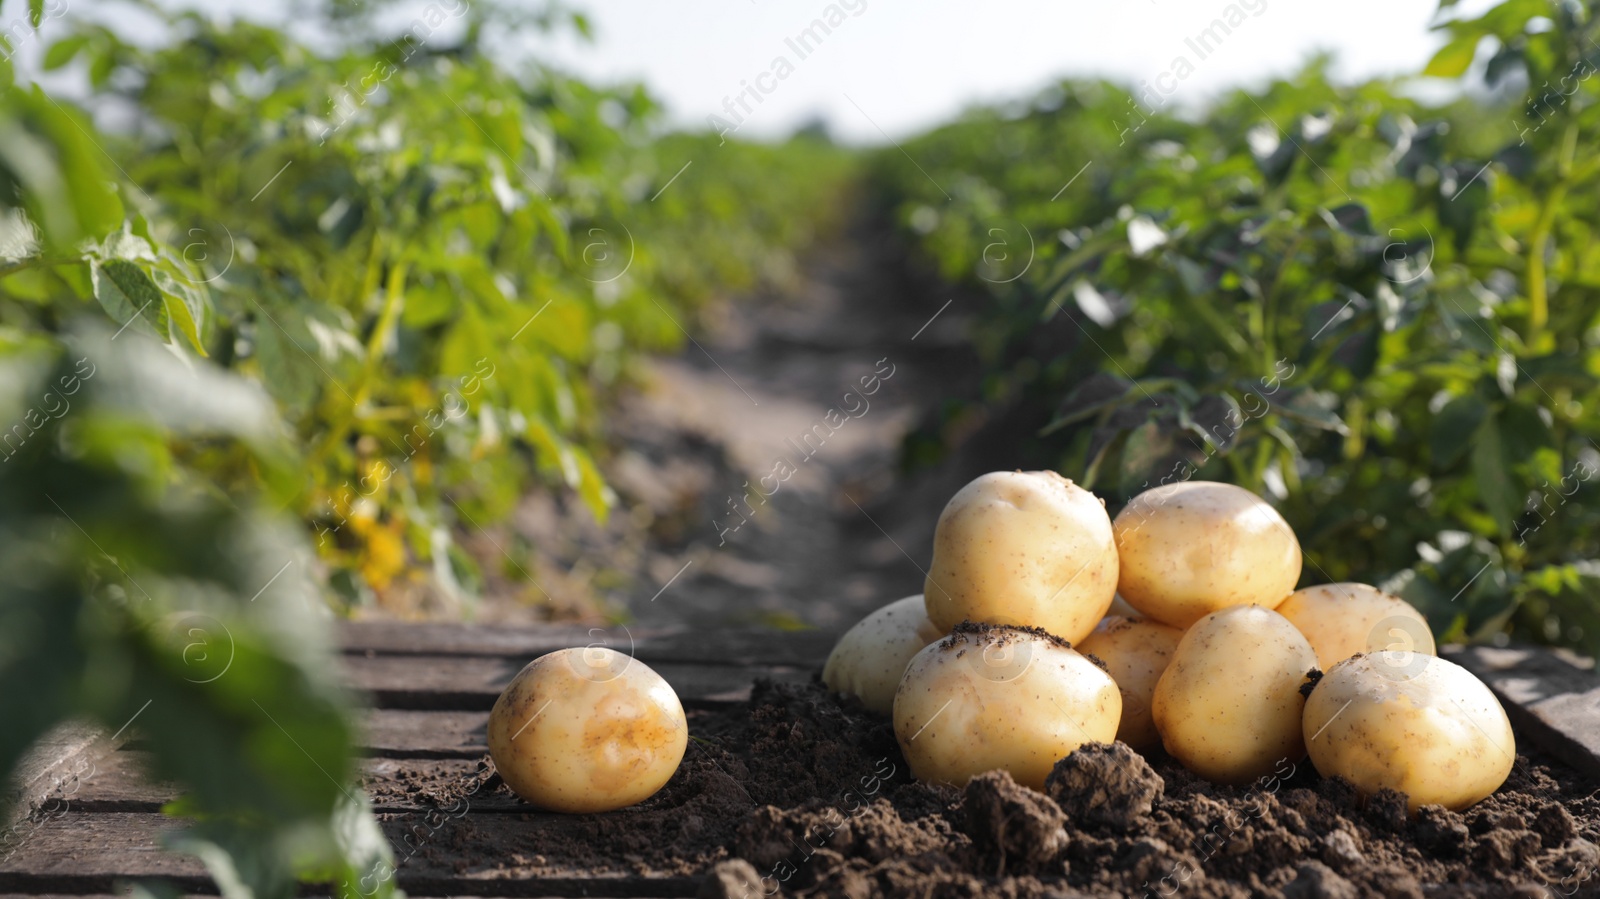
(1525, 433)
(61, 52)
(36, 12)
(592, 486)
(1317, 408)
(1095, 394)
(1146, 446)
(186, 306)
(287, 372)
(1453, 428)
(127, 293)
(1454, 58)
(1492, 474)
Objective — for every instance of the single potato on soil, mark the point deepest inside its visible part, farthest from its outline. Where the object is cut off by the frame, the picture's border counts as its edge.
(1410, 722)
(870, 658)
(1136, 651)
(1189, 549)
(1340, 620)
(585, 730)
(1026, 548)
(989, 697)
(1229, 706)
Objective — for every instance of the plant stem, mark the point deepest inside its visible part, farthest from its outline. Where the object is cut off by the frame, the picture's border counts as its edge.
(1535, 281)
(36, 262)
(394, 294)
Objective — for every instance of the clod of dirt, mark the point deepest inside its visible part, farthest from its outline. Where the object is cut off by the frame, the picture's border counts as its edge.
(1440, 832)
(982, 633)
(1313, 677)
(1554, 826)
(1339, 850)
(1105, 783)
(1314, 880)
(731, 879)
(1386, 810)
(1012, 827)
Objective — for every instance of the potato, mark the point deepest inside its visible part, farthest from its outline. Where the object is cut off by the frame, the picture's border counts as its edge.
(1189, 549)
(990, 697)
(587, 730)
(869, 659)
(1340, 620)
(1228, 706)
(1413, 723)
(1136, 650)
(1027, 548)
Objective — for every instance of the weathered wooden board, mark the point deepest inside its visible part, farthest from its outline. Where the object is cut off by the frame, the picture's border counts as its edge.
(733, 647)
(119, 783)
(59, 757)
(88, 852)
(464, 682)
(432, 686)
(1552, 696)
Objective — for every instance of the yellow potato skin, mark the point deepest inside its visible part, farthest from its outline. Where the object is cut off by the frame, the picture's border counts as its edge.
(1340, 620)
(587, 730)
(869, 660)
(1410, 722)
(1137, 651)
(1189, 549)
(966, 706)
(1228, 707)
(1024, 548)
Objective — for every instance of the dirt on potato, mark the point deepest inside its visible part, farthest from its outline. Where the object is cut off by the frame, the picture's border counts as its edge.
(801, 793)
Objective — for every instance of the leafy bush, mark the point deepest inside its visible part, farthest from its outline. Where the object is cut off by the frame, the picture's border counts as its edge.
(137, 595)
(1381, 314)
(385, 312)
(438, 270)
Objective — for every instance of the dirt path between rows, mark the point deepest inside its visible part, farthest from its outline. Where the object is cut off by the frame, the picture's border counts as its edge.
(759, 469)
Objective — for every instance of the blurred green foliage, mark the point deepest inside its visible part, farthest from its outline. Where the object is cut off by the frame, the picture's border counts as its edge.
(1380, 314)
(438, 269)
(386, 288)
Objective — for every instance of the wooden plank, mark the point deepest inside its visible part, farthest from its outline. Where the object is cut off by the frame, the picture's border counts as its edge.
(88, 853)
(395, 785)
(407, 733)
(1551, 696)
(58, 759)
(467, 683)
(732, 646)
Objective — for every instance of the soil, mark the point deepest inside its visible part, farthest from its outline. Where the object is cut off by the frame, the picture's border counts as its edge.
(800, 791)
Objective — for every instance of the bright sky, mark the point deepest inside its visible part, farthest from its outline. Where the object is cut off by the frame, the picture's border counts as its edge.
(909, 64)
(895, 67)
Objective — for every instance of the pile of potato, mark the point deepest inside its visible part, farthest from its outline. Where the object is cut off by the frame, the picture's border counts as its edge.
(1009, 658)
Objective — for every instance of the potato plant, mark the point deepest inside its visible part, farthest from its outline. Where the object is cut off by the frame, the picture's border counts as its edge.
(440, 322)
(1375, 310)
